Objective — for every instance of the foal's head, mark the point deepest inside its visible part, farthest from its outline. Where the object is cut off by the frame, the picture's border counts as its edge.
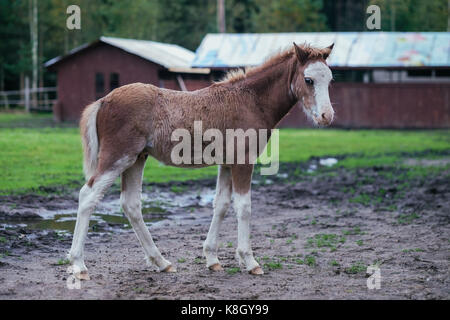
(310, 82)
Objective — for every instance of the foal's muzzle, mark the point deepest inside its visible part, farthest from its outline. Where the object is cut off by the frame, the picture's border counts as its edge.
(325, 118)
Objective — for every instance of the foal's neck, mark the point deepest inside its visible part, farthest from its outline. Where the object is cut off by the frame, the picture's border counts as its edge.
(271, 86)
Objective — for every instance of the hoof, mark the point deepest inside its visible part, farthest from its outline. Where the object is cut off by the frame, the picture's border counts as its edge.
(256, 271)
(216, 267)
(170, 269)
(83, 275)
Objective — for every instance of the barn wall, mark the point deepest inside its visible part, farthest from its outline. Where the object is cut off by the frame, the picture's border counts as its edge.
(76, 76)
(191, 84)
(389, 105)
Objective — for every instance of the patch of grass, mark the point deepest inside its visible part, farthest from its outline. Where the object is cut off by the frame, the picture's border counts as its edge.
(178, 189)
(391, 207)
(181, 260)
(6, 253)
(413, 250)
(229, 244)
(291, 239)
(139, 290)
(273, 265)
(356, 268)
(3, 240)
(198, 261)
(62, 262)
(407, 218)
(354, 231)
(323, 240)
(359, 242)
(54, 157)
(232, 271)
(310, 261)
(363, 199)
(334, 263)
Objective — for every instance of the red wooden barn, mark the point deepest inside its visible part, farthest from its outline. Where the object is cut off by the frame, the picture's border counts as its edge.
(91, 71)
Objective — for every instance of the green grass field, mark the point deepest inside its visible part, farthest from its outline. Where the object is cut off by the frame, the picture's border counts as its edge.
(31, 157)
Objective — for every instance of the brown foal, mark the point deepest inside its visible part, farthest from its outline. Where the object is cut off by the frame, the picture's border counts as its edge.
(121, 129)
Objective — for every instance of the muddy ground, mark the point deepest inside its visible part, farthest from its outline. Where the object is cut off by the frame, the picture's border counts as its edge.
(313, 234)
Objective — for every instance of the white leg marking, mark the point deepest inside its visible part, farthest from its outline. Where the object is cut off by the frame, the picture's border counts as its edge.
(130, 200)
(242, 206)
(88, 199)
(221, 204)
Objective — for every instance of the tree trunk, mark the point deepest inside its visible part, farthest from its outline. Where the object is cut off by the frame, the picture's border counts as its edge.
(221, 16)
(34, 47)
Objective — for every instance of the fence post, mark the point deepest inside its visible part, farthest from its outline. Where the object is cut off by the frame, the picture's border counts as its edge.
(27, 94)
(5, 97)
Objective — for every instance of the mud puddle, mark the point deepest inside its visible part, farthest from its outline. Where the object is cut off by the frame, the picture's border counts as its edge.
(158, 205)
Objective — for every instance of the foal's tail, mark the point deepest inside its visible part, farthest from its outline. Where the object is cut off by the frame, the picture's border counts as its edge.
(88, 128)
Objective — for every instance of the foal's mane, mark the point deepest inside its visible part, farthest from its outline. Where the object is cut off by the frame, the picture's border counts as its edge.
(235, 75)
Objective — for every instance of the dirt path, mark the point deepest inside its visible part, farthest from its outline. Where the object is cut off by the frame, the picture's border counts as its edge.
(314, 238)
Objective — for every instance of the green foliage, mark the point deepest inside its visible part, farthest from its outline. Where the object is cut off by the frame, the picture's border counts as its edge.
(407, 218)
(413, 15)
(310, 261)
(354, 231)
(289, 16)
(334, 263)
(273, 265)
(178, 189)
(355, 268)
(232, 271)
(62, 262)
(323, 240)
(186, 22)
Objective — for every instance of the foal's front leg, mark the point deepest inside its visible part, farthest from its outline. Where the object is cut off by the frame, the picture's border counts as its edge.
(221, 204)
(241, 180)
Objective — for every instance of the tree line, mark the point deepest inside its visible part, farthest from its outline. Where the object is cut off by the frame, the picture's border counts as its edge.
(185, 22)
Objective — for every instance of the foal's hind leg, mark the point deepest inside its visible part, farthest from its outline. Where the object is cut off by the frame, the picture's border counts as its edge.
(130, 199)
(221, 204)
(88, 199)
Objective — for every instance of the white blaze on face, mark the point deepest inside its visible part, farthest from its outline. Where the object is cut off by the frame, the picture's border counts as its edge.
(320, 73)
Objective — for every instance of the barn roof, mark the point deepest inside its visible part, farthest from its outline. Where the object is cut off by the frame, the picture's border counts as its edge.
(167, 55)
(352, 49)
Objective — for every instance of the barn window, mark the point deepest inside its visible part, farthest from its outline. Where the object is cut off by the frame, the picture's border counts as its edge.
(419, 73)
(114, 81)
(99, 83)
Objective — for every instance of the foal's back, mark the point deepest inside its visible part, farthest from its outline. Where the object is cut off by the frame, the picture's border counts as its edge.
(139, 117)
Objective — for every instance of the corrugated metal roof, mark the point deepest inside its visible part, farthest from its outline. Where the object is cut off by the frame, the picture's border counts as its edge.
(167, 55)
(352, 49)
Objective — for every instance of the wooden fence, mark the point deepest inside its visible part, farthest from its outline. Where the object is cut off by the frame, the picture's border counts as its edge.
(39, 99)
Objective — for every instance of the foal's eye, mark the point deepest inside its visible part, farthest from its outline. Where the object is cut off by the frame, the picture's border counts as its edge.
(309, 81)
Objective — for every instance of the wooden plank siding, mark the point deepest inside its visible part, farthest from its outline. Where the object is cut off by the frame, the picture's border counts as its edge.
(387, 105)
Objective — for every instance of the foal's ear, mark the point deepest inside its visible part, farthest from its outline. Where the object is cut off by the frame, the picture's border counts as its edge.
(327, 51)
(301, 54)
